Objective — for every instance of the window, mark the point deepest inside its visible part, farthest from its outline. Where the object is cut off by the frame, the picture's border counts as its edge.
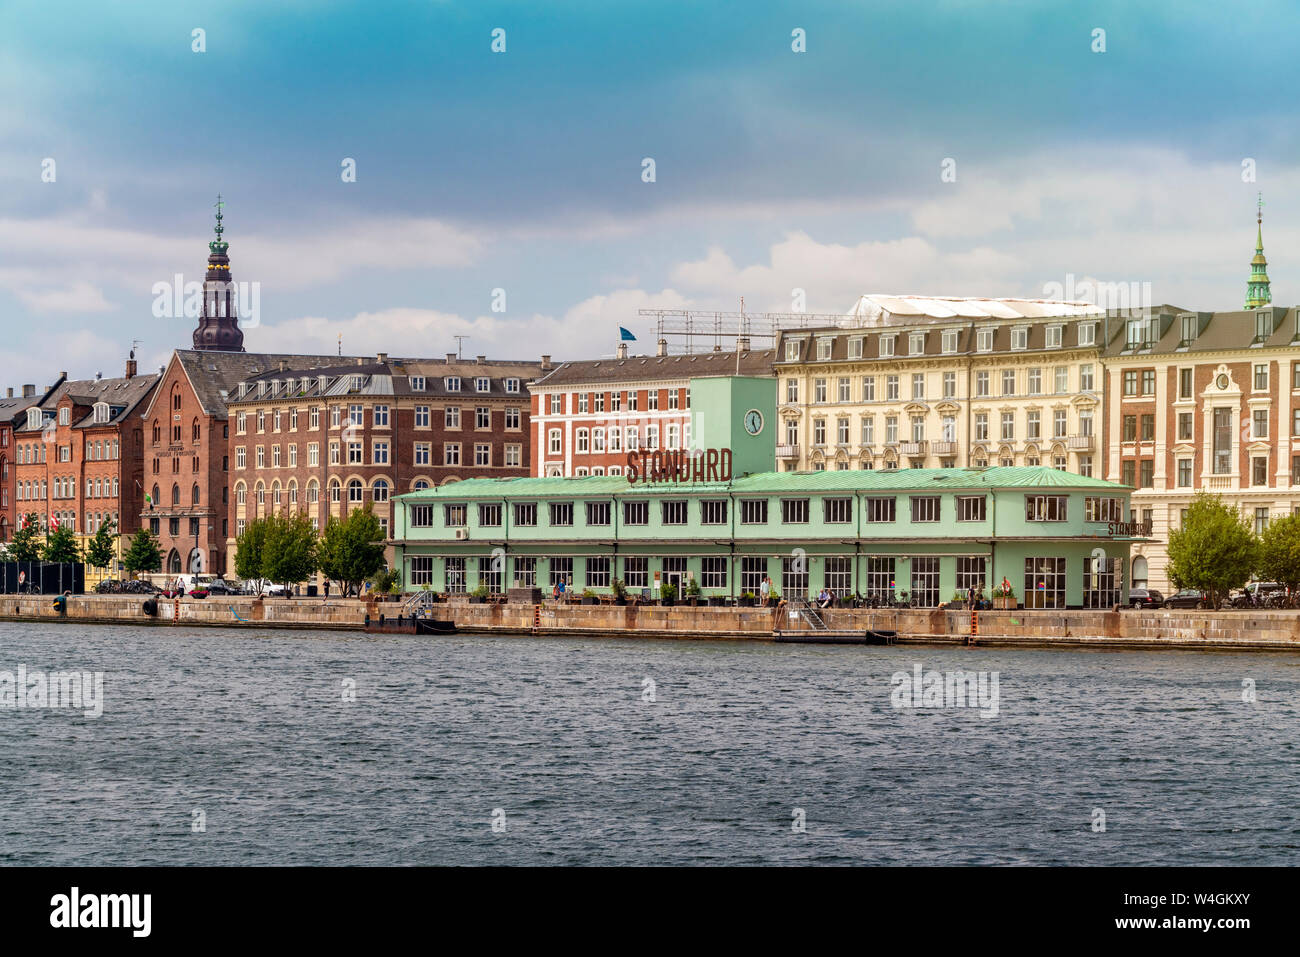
(1061, 377)
(598, 571)
(916, 343)
(925, 581)
(1146, 473)
(1008, 381)
(451, 453)
(597, 513)
(794, 576)
(1087, 333)
(636, 513)
(354, 453)
(842, 430)
(753, 511)
(489, 514)
(925, 508)
(1035, 382)
(824, 348)
(1019, 338)
(949, 341)
(1128, 472)
(1045, 508)
(970, 508)
(482, 417)
(791, 391)
(553, 441)
(526, 571)
(482, 454)
(1261, 520)
(794, 511)
(868, 430)
(674, 512)
(891, 430)
(1184, 473)
(380, 415)
(1184, 426)
(984, 340)
(869, 386)
(561, 513)
(1044, 583)
(713, 512)
(1008, 426)
(526, 514)
(1130, 380)
(887, 346)
(1102, 581)
(880, 576)
(1033, 426)
(950, 385)
(819, 431)
(838, 510)
(1130, 428)
(561, 570)
(878, 509)
(454, 516)
(1259, 424)
(971, 573)
(1058, 424)
(1085, 377)
(1295, 421)
(842, 392)
(1259, 470)
(1148, 427)
(981, 426)
(819, 390)
(918, 386)
(891, 388)
(1053, 337)
(1222, 441)
(379, 452)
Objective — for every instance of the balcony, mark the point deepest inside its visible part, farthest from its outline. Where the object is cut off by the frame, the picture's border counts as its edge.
(787, 451)
(1081, 443)
(944, 448)
(912, 448)
(1220, 482)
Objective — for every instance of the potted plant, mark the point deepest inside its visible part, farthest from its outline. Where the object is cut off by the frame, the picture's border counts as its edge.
(958, 601)
(773, 597)
(620, 591)
(667, 593)
(717, 601)
(384, 582)
(479, 594)
(1004, 597)
(589, 597)
(693, 592)
(746, 600)
(199, 593)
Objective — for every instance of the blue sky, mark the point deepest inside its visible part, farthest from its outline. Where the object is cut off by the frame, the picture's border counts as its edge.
(521, 170)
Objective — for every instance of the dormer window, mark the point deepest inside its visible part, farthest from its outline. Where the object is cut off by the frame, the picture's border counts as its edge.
(324, 384)
(262, 387)
(33, 418)
(916, 343)
(452, 382)
(512, 385)
(288, 386)
(1054, 337)
(855, 347)
(1263, 325)
(792, 350)
(1139, 333)
(482, 384)
(65, 416)
(1019, 338)
(824, 347)
(887, 345)
(358, 382)
(101, 413)
(417, 383)
(984, 340)
(949, 341)
(1188, 334)
(1087, 333)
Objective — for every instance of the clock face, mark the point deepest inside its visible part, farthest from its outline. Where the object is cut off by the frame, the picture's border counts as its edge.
(1222, 381)
(753, 422)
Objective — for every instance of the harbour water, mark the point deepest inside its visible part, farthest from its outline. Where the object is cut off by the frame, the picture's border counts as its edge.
(232, 747)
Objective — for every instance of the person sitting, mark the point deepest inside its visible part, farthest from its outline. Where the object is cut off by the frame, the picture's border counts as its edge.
(824, 599)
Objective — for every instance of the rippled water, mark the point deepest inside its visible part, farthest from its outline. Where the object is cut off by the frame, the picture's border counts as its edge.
(254, 730)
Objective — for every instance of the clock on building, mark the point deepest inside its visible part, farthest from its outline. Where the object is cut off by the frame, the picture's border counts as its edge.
(753, 422)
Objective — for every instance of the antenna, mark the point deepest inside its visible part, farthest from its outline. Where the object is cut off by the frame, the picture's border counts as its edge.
(459, 339)
(340, 345)
(135, 344)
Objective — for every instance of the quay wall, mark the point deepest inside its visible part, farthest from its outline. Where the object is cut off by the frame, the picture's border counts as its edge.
(1277, 630)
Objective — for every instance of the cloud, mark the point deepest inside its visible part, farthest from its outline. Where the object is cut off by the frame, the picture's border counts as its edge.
(78, 297)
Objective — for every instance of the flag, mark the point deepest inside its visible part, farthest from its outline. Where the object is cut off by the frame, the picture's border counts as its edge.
(148, 500)
(625, 335)
(54, 522)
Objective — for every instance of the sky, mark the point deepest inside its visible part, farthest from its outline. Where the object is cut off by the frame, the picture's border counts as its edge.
(989, 148)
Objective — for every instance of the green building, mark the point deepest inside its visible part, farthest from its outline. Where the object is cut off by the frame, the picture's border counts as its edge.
(1062, 540)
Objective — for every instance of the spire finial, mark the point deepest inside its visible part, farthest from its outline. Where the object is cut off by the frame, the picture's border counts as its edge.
(1258, 293)
(219, 229)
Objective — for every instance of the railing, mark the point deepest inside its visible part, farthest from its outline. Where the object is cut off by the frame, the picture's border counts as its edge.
(1081, 443)
(1221, 481)
(944, 448)
(787, 451)
(418, 604)
(801, 610)
(912, 448)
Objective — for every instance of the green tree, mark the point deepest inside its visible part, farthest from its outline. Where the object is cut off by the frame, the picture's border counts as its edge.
(99, 550)
(288, 550)
(249, 550)
(26, 543)
(143, 554)
(1215, 550)
(352, 549)
(1279, 552)
(61, 545)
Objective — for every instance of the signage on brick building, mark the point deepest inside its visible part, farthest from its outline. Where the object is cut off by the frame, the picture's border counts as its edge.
(692, 465)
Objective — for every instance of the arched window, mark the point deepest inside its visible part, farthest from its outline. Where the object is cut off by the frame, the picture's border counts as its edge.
(420, 485)
(293, 493)
(260, 492)
(275, 493)
(313, 492)
(336, 490)
(355, 490)
(241, 494)
(176, 494)
(1139, 572)
(114, 486)
(380, 490)
(194, 494)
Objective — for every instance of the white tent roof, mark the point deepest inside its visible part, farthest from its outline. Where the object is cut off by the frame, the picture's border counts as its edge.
(881, 310)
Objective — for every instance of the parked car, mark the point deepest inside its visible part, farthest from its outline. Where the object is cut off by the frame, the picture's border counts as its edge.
(1188, 598)
(219, 586)
(1145, 598)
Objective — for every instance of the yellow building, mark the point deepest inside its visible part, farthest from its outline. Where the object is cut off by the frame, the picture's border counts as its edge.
(913, 382)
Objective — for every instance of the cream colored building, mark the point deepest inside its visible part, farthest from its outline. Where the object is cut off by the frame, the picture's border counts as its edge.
(931, 383)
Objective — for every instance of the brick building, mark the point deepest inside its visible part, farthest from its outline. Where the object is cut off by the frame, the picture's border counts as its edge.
(79, 454)
(586, 416)
(13, 413)
(330, 437)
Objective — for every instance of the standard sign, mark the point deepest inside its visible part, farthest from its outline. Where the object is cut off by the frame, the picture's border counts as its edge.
(699, 465)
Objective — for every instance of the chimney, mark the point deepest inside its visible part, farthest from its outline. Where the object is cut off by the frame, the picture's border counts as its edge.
(717, 348)
(11, 392)
(29, 391)
(360, 361)
(742, 343)
(662, 348)
(546, 363)
(480, 359)
(284, 365)
(451, 357)
(130, 368)
(622, 350)
(382, 357)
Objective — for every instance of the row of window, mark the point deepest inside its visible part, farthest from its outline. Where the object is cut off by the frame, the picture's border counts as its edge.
(583, 403)
(33, 453)
(892, 391)
(422, 454)
(1034, 428)
(379, 418)
(380, 491)
(615, 439)
(1044, 576)
(1140, 473)
(242, 523)
(65, 487)
(1054, 337)
(68, 519)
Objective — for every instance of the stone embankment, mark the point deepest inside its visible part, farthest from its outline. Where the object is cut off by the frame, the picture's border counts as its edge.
(1255, 630)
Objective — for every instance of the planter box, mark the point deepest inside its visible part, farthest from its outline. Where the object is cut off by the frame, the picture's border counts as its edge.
(1005, 604)
(746, 602)
(586, 600)
(717, 601)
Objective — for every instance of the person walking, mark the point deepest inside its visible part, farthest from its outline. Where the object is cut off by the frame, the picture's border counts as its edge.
(766, 589)
(327, 588)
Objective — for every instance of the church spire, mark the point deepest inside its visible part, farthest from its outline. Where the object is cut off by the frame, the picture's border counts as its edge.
(218, 329)
(1257, 291)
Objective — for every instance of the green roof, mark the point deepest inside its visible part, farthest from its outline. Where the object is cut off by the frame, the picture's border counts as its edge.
(776, 483)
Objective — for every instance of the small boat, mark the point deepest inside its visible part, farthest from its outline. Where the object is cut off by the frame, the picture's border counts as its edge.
(435, 626)
(826, 637)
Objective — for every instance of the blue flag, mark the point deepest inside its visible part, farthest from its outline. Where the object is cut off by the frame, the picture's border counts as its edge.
(625, 335)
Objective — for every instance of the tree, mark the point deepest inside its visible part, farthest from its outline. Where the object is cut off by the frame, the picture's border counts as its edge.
(248, 550)
(143, 554)
(1215, 551)
(1279, 552)
(288, 549)
(99, 550)
(352, 549)
(26, 543)
(61, 545)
